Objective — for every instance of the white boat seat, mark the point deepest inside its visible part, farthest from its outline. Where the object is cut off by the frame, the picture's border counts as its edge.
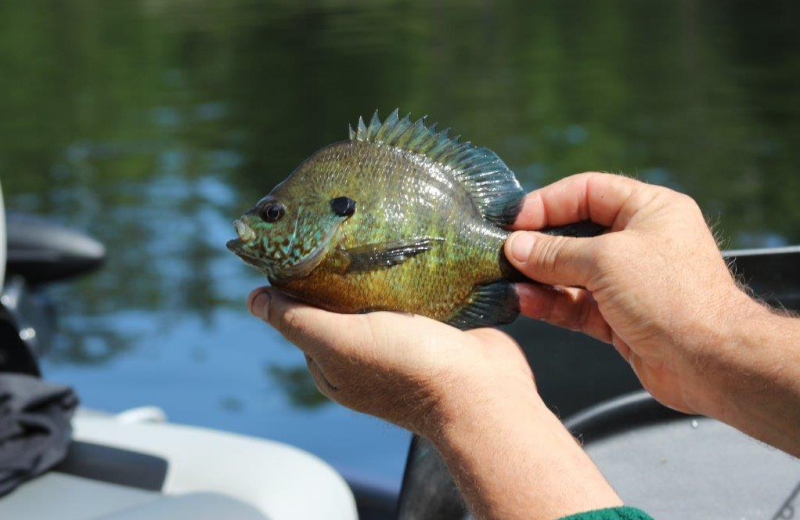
(56, 496)
(160, 471)
(280, 481)
(197, 506)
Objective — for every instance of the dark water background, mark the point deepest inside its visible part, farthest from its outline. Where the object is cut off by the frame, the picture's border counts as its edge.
(152, 123)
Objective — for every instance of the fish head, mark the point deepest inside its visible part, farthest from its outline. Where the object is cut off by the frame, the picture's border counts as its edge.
(286, 237)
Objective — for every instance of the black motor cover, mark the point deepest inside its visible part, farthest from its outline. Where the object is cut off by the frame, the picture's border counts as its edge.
(40, 251)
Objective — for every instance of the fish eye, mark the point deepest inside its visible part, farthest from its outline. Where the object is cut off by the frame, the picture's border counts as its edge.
(343, 206)
(272, 212)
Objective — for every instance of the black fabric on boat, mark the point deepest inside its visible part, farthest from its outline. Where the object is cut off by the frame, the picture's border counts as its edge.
(35, 427)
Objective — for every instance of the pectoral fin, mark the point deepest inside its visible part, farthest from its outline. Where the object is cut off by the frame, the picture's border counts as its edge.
(380, 255)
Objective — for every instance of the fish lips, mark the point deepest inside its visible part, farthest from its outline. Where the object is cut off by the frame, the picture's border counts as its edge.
(236, 246)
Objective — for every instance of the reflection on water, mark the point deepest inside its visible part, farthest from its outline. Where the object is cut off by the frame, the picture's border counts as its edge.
(152, 123)
(299, 387)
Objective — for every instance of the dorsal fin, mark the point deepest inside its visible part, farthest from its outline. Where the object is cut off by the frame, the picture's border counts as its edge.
(489, 182)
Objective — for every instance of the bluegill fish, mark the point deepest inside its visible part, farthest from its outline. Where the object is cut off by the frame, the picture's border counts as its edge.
(398, 217)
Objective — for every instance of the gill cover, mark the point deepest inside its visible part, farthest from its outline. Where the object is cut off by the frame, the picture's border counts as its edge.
(307, 244)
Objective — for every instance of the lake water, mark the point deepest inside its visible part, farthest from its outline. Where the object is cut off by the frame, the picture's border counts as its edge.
(151, 124)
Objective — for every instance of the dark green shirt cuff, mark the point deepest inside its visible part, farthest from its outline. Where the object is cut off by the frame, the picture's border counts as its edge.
(614, 513)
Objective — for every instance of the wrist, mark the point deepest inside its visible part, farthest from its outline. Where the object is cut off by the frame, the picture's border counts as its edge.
(755, 382)
(512, 458)
(721, 351)
(466, 416)
(467, 405)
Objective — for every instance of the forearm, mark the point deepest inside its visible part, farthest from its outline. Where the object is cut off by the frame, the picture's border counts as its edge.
(513, 460)
(757, 378)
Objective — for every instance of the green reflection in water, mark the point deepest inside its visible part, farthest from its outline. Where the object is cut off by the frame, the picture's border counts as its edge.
(297, 384)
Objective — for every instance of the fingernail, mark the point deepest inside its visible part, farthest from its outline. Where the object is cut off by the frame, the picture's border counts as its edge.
(260, 305)
(521, 245)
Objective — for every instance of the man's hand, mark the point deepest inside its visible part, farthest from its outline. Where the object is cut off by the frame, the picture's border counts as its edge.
(409, 370)
(472, 393)
(657, 287)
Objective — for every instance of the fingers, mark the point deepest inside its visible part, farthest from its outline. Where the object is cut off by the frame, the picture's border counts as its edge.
(599, 197)
(553, 260)
(571, 308)
(314, 331)
(320, 380)
(623, 348)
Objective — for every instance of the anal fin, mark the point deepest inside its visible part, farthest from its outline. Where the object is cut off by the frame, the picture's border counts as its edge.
(381, 255)
(489, 305)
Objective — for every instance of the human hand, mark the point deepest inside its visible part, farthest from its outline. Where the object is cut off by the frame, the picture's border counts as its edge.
(409, 370)
(471, 393)
(656, 286)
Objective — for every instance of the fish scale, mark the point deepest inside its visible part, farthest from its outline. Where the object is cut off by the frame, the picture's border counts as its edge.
(399, 218)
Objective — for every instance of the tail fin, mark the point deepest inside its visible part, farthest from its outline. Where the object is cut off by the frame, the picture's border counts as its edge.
(582, 229)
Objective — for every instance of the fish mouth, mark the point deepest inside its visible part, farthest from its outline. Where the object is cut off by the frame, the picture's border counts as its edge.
(236, 246)
(245, 232)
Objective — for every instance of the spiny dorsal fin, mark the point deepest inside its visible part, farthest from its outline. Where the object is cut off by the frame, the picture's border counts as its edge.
(490, 183)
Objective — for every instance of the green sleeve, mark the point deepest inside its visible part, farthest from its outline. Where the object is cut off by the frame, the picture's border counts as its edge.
(615, 513)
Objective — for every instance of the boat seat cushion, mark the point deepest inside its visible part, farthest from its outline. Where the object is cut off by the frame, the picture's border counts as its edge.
(197, 506)
(56, 496)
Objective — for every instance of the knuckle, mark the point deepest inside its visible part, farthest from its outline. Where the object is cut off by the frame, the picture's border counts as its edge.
(602, 253)
(674, 198)
(687, 202)
(679, 206)
(583, 315)
(573, 311)
(548, 254)
(598, 254)
(659, 196)
(289, 320)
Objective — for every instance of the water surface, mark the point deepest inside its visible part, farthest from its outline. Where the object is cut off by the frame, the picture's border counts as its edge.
(151, 124)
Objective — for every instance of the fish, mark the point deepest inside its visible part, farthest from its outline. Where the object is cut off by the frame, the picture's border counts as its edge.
(398, 217)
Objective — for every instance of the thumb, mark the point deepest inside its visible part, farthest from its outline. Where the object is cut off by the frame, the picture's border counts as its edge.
(316, 332)
(553, 260)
